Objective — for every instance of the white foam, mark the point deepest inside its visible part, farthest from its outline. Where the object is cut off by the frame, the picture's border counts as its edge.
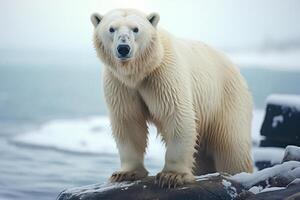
(93, 135)
(90, 135)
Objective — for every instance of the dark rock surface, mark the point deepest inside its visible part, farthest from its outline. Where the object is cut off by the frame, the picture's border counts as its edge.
(211, 188)
(292, 192)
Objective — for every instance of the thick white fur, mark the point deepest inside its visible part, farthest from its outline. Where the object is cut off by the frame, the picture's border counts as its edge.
(187, 89)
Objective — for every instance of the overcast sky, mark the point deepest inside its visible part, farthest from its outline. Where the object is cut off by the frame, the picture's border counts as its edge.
(65, 24)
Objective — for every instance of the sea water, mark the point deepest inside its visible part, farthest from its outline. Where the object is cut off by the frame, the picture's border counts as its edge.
(54, 130)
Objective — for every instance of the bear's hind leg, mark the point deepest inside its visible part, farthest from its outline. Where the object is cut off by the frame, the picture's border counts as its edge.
(204, 163)
(232, 146)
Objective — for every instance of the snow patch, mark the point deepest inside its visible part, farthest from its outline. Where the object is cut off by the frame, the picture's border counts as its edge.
(277, 120)
(284, 100)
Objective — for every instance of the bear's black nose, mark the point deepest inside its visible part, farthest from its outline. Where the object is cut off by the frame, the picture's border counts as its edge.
(123, 50)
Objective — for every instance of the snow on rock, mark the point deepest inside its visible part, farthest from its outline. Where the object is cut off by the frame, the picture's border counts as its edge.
(291, 153)
(98, 188)
(206, 176)
(229, 188)
(272, 189)
(284, 100)
(215, 188)
(294, 182)
(255, 189)
(248, 180)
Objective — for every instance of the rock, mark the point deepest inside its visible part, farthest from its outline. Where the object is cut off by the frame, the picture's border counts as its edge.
(212, 187)
(281, 124)
(291, 153)
(276, 176)
(291, 192)
(281, 181)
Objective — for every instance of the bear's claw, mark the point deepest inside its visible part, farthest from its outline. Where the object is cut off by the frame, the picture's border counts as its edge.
(127, 176)
(173, 179)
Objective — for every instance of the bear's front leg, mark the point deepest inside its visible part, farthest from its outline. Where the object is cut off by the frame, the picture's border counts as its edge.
(178, 162)
(128, 121)
(171, 108)
(180, 137)
(130, 133)
(132, 167)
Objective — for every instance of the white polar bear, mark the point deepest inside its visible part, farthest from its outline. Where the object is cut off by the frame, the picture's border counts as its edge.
(191, 92)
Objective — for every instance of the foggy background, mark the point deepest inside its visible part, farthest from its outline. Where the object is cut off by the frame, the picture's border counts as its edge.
(230, 24)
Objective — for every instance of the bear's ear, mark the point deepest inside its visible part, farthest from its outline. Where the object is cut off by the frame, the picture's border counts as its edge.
(96, 19)
(153, 19)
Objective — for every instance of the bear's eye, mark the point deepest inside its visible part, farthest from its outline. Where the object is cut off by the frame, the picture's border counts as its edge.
(111, 29)
(135, 30)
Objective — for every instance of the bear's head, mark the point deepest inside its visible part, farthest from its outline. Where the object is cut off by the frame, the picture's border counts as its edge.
(127, 41)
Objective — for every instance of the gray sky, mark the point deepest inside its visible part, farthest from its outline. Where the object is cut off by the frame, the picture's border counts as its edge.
(65, 24)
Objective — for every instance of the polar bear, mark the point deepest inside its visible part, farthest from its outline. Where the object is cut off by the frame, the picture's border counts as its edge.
(193, 94)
